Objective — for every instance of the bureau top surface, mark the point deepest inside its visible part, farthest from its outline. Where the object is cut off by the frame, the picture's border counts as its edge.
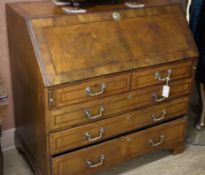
(81, 46)
(40, 9)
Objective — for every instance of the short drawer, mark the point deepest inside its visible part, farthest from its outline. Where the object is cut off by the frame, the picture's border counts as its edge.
(91, 90)
(92, 159)
(115, 105)
(98, 131)
(157, 75)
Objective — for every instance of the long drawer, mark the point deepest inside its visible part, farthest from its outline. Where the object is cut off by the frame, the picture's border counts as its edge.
(115, 105)
(98, 157)
(98, 131)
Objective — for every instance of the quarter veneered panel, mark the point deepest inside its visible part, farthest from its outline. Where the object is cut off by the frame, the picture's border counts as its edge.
(88, 45)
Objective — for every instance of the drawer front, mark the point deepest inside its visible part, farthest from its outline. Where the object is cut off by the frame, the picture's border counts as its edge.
(98, 157)
(98, 131)
(115, 105)
(92, 90)
(158, 75)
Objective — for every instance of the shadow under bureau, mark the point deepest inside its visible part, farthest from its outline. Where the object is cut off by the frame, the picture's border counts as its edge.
(92, 90)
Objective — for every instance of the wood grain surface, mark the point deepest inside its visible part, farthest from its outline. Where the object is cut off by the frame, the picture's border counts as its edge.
(75, 115)
(28, 92)
(150, 40)
(72, 94)
(119, 150)
(147, 77)
(73, 138)
(4, 56)
(5, 63)
(61, 53)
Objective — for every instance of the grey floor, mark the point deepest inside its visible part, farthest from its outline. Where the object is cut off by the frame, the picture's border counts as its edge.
(191, 162)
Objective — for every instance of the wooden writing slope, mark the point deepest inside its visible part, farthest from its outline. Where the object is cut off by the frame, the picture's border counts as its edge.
(88, 87)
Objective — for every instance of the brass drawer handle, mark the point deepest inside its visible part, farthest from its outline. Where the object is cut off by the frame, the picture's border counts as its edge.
(89, 115)
(158, 99)
(151, 141)
(92, 165)
(74, 10)
(159, 78)
(134, 5)
(92, 139)
(102, 89)
(60, 3)
(156, 119)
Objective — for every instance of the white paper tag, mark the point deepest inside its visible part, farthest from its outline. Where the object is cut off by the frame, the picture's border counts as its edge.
(166, 91)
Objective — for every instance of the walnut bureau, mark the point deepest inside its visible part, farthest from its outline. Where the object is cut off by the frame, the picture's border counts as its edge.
(89, 88)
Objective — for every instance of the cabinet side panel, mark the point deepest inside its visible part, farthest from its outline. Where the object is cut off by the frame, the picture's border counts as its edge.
(29, 94)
